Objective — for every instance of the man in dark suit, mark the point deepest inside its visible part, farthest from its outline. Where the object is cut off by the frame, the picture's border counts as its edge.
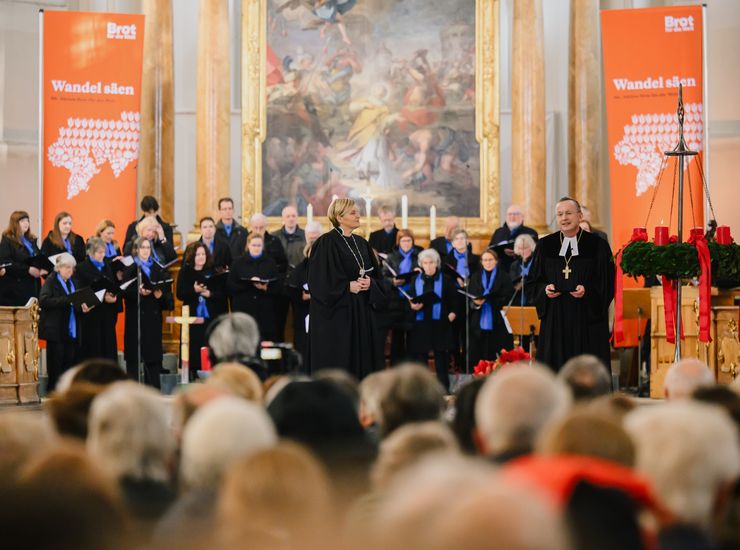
(510, 230)
(149, 207)
(229, 229)
(384, 240)
(217, 245)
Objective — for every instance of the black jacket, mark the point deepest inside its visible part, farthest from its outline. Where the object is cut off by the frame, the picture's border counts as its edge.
(383, 242)
(55, 310)
(237, 240)
(131, 229)
(17, 286)
(48, 248)
(222, 257)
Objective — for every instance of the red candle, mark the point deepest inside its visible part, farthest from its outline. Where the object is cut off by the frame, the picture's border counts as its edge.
(697, 233)
(661, 235)
(205, 361)
(723, 235)
(639, 234)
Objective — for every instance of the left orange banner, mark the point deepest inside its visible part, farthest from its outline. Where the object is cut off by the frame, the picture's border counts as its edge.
(91, 93)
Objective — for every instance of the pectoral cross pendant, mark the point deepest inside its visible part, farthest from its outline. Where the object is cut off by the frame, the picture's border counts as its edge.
(362, 272)
(567, 271)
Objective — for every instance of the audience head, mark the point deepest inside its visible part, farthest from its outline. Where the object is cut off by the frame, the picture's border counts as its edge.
(406, 446)
(149, 205)
(686, 376)
(387, 217)
(371, 390)
(129, 434)
(70, 410)
(22, 436)
(615, 406)
(96, 249)
(258, 223)
(98, 371)
(412, 394)
(514, 216)
(233, 337)
(197, 255)
(190, 399)
(721, 396)
(238, 379)
(275, 497)
(463, 423)
(344, 380)
(290, 217)
(524, 246)
(226, 209)
(207, 228)
(313, 231)
(584, 433)
(586, 376)
(218, 434)
(105, 230)
(515, 405)
(690, 453)
(339, 208)
(19, 226)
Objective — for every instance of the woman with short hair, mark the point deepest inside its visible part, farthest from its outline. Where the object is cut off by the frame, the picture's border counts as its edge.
(162, 251)
(61, 238)
(20, 282)
(524, 247)
(99, 325)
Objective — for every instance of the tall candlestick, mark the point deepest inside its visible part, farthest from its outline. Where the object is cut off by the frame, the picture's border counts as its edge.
(723, 235)
(432, 222)
(661, 235)
(309, 213)
(404, 212)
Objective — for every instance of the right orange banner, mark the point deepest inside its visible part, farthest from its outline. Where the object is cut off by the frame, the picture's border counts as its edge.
(647, 54)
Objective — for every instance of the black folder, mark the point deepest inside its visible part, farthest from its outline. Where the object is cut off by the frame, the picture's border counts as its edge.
(40, 261)
(254, 281)
(156, 285)
(502, 247)
(122, 264)
(103, 283)
(84, 296)
(451, 271)
(428, 298)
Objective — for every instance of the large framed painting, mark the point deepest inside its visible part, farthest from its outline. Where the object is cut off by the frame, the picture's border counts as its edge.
(372, 100)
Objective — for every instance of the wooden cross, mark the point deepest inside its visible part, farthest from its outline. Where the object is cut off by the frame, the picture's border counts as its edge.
(185, 320)
(567, 271)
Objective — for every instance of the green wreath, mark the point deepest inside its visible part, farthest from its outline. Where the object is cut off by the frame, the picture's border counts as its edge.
(675, 261)
(725, 263)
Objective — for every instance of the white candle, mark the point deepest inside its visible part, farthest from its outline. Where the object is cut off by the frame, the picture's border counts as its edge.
(309, 213)
(432, 222)
(404, 212)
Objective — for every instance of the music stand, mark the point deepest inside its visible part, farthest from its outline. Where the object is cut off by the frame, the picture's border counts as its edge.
(636, 305)
(523, 322)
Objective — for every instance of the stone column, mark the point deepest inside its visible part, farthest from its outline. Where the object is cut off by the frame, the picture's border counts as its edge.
(157, 149)
(212, 107)
(529, 187)
(584, 106)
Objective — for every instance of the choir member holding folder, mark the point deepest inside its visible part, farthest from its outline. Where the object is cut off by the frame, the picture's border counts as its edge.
(62, 239)
(490, 289)
(60, 322)
(99, 326)
(203, 289)
(252, 283)
(434, 303)
(155, 295)
(21, 281)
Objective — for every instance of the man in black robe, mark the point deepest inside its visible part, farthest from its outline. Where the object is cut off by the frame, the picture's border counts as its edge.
(384, 239)
(573, 275)
(507, 233)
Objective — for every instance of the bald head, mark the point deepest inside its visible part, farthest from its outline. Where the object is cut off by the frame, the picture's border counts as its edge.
(686, 376)
(451, 224)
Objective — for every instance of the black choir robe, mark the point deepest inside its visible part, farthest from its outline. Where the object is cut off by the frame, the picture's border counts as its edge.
(221, 253)
(342, 329)
(573, 326)
(17, 286)
(162, 251)
(247, 298)
(400, 314)
(62, 350)
(131, 230)
(76, 242)
(473, 261)
(515, 274)
(428, 334)
(237, 240)
(383, 241)
(486, 344)
(217, 304)
(503, 234)
(295, 289)
(99, 325)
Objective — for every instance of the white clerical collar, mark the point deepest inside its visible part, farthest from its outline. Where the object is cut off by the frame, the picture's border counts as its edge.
(573, 242)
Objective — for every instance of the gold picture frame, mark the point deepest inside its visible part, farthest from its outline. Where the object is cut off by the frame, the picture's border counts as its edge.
(254, 118)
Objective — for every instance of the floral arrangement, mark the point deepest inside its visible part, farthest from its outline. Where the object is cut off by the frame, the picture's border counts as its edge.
(486, 367)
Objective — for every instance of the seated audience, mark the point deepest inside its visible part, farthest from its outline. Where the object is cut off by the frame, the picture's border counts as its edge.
(686, 376)
(22, 436)
(98, 371)
(235, 338)
(586, 376)
(463, 422)
(371, 389)
(238, 379)
(70, 410)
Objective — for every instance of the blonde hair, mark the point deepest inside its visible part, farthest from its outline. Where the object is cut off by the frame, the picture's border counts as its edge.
(102, 226)
(144, 223)
(339, 208)
(239, 380)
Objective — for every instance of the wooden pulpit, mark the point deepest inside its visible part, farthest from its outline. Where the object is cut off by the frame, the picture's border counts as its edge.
(19, 354)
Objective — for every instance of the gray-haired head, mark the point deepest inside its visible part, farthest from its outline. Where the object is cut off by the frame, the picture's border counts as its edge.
(429, 253)
(94, 244)
(234, 336)
(258, 217)
(65, 259)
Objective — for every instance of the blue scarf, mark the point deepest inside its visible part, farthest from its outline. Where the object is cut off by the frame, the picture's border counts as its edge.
(486, 312)
(69, 288)
(29, 245)
(154, 254)
(110, 250)
(448, 244)
(258, 256)
(462, 263)
(96, 263)
(210, 245)
(405, 265)
(228, 229)
(436, 308)
(146, 266)
(202, 309)
(67, 245)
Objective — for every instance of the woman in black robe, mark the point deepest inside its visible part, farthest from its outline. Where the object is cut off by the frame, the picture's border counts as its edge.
(62, 239)
(488, 334)
(99, 326)
(573, 274)
(204, 292)
(432, 329)
(20, 282)
(252, 284)
(152, 304)
(524, 247)
(343, 278)
(403, 260)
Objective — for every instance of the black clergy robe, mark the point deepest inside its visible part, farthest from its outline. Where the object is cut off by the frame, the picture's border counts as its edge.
(99, 325)
(573, 326)
(342, 329)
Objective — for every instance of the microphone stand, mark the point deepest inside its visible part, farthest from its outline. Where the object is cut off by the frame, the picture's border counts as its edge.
(140, 367)
(466, 280)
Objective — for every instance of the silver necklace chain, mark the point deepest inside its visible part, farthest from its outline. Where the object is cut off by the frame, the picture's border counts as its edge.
(358, 257)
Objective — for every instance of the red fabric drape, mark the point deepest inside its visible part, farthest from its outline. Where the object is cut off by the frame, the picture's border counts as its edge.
(638, 234)
(705, 287)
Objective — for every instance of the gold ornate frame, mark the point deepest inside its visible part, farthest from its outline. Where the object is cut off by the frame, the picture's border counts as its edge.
(254, 116)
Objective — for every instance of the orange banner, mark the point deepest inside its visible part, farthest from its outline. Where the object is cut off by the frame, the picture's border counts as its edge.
(91, 92)
(647, 54)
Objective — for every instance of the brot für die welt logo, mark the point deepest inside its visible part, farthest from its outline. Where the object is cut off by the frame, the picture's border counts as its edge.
(679, 24)
(120, 32)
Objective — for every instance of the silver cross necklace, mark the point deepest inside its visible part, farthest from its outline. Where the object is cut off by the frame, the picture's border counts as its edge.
(358, 257)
